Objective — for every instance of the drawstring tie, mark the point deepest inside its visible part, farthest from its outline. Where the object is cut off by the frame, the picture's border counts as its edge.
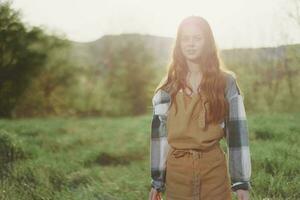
(182, 152)
(177, 153)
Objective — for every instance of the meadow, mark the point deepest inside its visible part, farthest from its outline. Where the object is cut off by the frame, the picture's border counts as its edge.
(106, 158)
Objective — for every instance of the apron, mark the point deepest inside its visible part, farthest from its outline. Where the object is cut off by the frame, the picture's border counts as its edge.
(196, 166)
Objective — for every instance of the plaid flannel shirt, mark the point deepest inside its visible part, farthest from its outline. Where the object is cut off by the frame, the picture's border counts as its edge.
(236, 134)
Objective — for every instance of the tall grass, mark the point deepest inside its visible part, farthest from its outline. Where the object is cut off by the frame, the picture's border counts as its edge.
(108, 158)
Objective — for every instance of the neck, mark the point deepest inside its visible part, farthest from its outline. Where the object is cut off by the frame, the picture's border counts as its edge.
(193, 67)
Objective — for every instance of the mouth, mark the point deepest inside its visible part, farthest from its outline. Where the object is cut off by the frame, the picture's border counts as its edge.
(191, 51)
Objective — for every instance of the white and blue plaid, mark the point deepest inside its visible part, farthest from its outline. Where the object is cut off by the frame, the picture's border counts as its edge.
(236, 134)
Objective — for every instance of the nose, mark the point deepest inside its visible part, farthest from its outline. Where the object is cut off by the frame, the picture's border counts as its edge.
(190, 41)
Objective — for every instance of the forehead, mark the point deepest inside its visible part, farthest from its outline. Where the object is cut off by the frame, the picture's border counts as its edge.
(191, 29)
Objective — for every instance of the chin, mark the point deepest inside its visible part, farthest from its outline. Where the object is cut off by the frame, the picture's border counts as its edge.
(192, 58)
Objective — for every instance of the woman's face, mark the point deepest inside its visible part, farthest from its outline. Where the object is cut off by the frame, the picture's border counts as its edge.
(191, 42)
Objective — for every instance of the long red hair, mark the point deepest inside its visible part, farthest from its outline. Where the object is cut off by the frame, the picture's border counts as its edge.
(214, 72)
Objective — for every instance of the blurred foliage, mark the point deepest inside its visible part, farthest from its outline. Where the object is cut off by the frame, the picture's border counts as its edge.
(39, 76)
(50, 91)
(269, 77)
(127, 79)
(44, 75)
(21, 56)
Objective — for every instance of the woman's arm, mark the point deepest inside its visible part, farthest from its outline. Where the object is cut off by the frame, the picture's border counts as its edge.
(159, 146)
(236, 130)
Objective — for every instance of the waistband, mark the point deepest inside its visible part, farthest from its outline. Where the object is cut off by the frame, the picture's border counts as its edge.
(181, 152)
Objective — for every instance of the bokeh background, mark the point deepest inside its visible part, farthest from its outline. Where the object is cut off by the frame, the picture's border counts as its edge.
(77, 78)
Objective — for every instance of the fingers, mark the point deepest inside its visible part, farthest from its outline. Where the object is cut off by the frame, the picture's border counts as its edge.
(155, 195)
(242, 197)
(152, 195)
(158, 196)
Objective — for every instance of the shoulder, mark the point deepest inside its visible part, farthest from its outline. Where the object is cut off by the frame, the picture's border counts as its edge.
(230, 79)
(161, 97)
(232, 88)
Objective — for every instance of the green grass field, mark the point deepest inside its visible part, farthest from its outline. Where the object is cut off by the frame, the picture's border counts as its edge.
(108, 158)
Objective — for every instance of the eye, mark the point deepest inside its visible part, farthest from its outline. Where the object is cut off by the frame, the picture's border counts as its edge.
(184, 38)
(198, 38)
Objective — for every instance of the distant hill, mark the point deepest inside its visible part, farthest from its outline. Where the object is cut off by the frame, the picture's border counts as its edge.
(90, 53)
(260, 55)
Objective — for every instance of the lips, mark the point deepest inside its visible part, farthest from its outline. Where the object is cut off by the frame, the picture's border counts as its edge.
(191, 51)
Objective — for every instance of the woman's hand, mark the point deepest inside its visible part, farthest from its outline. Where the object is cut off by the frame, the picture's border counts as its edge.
(242, 194)
(155, 195)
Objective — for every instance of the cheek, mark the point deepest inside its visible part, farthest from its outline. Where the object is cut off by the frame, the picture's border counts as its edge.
(183, 46)
(199, 45)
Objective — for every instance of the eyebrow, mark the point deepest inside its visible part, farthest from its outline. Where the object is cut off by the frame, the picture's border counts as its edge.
(192, 35)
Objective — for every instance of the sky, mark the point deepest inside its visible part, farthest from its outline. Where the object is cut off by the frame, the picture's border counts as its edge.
(235, 23)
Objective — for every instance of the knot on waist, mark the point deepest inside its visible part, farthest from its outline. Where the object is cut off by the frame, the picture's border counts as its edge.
(182, 152)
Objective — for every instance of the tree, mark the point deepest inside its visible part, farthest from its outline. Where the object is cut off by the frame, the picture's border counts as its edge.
(20, 57)
(49, 92)
(128, 77)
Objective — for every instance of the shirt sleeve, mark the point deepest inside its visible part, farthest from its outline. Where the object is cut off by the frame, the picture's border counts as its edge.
(236, 132)
(159, 146)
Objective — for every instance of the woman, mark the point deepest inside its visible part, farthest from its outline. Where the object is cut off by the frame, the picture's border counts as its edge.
(194, 107)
